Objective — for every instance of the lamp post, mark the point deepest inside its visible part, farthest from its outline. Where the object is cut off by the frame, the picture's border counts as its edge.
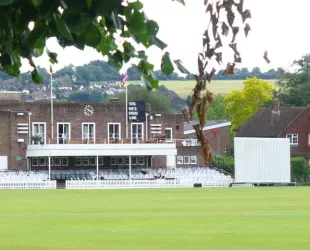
(52, 109)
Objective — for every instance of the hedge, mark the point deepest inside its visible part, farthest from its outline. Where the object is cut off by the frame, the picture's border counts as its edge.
(299, 168)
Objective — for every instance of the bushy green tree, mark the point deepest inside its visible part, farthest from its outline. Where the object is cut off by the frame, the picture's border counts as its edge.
(294, 87)
(242, 104)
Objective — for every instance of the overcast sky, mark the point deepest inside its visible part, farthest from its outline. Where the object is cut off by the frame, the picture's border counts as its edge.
(278, 26)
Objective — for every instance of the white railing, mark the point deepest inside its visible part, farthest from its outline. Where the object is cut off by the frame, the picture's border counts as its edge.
(28, 185)
(118, 184)
(76, 184)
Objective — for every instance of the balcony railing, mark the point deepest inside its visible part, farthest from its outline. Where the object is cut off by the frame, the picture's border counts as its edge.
(178, 142)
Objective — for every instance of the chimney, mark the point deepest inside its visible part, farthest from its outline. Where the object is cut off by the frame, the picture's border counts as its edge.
(276, 105)
(275, 114)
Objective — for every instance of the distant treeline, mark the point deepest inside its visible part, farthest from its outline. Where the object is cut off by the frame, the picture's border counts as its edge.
(98, 71)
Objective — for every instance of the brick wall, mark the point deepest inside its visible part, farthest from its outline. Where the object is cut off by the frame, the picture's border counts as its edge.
(72, 113)
(221, 141)
(9, 121)
(5, 143)
(301, 127)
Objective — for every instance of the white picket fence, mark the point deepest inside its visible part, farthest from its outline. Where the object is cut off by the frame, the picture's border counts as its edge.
(28, 185)
(118, 184)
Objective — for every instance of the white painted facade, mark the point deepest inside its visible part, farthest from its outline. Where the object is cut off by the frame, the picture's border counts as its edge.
(3, 162)
(46, 150)
(262, 160)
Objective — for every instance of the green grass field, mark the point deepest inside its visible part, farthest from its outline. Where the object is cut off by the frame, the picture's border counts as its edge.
(156, 219)
(184, 88)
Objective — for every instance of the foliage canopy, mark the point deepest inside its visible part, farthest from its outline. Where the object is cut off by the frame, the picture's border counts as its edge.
(294, 87)
(242, 104)
(79, 23)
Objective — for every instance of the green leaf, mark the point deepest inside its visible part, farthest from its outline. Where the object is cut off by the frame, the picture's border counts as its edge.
(160, 44)
(52, 56)
(51, 69)
(137, 23)
(36, 34)
(128, 51)
(180, 66)
(144, 67)
(92, 36)
(38, 48)
(150, 82)
(76, 22)
(180, 1)
(116, 60)
(117, 21)
(89, 3)
(36, 78)
(166, 64)
(142, 55)
(152, 27)
(106, 45)
(62, 27)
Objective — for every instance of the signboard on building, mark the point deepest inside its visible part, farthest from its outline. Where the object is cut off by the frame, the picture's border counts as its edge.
(136, 111)
(19, 158)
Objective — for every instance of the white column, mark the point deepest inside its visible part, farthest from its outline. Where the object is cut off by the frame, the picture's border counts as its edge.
(97, 164)
(130, 167)
(126, 114)
(146, 128)
(49, 167)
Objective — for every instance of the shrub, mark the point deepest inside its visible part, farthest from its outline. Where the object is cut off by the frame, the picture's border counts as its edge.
(226, 163)
(299, 169)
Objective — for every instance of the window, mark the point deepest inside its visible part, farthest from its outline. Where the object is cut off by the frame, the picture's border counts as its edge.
(186, 159)
(85, 161)
(293, 138)
(114, 132)
(168, 132)
(179, 160)
(57, 161)
(35, 162)
(63, 132)
(193, 159)
(141, 160)
(52, 161)
(100, 161)
(78, 161)
(42, 161)
(39, 129)
(136, 132)
(64, 161)
(93, 161)
(126, 160)
(119, 160)
(133, 160)
(88, 131)
(113, 160)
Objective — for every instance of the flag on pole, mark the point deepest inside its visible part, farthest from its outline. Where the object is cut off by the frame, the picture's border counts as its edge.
(124, 79)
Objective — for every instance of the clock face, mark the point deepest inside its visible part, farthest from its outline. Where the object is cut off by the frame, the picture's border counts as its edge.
(88, 110)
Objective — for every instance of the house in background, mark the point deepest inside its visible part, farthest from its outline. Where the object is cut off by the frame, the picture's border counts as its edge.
(217, 132)
(281, 122)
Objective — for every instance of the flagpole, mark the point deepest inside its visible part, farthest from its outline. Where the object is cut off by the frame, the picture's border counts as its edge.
(126, 114)
(52, 109)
